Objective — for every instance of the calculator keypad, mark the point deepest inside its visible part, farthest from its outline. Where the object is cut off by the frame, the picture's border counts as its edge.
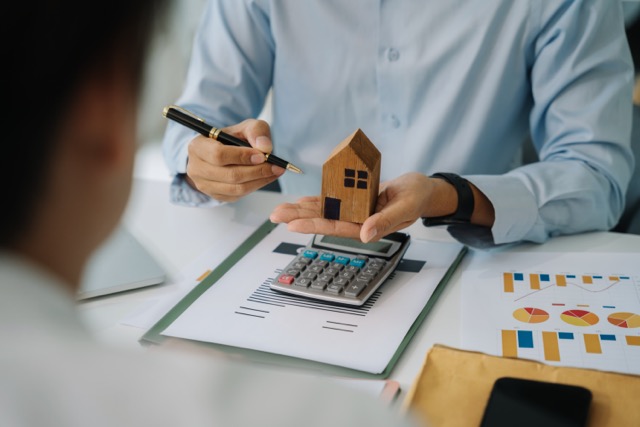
(332, 274)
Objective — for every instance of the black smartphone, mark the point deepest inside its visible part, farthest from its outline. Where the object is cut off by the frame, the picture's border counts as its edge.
(524, 403)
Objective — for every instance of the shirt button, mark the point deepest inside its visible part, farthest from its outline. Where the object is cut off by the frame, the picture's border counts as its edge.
(395, 122)
(393, 55)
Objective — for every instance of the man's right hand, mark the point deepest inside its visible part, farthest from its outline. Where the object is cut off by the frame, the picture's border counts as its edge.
(227, 173)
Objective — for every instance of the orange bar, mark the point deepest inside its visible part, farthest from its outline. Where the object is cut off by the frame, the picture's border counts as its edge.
(508, 282)
(561, 280)
(534, 280)
(633, 340)
(614, 278)
(592, 343)
(509, 344)
(587, 280)
(203, 275)
(551, 349)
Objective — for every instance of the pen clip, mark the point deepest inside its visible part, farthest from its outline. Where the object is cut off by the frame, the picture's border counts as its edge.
(183, 111)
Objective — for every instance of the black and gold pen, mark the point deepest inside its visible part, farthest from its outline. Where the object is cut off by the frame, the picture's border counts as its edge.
(193, 122)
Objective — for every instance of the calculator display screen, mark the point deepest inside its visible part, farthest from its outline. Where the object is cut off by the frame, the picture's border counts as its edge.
(381, 247)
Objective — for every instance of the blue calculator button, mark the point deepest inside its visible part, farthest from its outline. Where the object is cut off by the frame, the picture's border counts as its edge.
(357, 262)
(343, 260)
(310, 254)
(327, 257)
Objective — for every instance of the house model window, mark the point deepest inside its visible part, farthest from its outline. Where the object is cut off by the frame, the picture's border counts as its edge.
(350, 180)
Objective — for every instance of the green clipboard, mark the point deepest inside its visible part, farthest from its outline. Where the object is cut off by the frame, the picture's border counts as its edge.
(154, 335)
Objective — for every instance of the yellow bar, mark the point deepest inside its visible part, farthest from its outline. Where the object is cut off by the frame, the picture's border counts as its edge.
(633, 340)
(614, 278)
(587, 280)
(534, 279)
(509, 344)
(508, 282)
(203, 275)
(592, 343)
(551, 349)
(561, 280)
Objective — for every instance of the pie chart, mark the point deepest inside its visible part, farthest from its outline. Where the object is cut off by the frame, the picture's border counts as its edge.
(625, 320)
(579, 318)
(531, 315)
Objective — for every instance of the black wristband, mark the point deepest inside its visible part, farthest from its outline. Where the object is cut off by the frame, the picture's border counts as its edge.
(463, 212)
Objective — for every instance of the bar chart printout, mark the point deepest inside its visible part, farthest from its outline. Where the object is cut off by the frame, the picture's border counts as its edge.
(575, 309)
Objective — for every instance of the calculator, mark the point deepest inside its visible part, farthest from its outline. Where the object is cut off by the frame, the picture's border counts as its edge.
(341, 270)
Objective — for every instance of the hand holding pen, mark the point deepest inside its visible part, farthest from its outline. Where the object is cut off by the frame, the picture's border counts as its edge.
(224, 166)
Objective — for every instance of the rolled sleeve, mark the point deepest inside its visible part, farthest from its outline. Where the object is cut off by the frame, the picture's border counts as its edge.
(181, 193)
(229, 76)
(175, 147)
(581, 119)
(514, 205)
(581, 84)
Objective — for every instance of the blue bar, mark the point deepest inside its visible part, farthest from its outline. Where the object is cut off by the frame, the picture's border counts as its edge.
(520, 276)
(624, 277)
(525, 339)
(606, 337)
(571, 276)
(565, 335)
(544, 277)
(597, 277)
(608, 306)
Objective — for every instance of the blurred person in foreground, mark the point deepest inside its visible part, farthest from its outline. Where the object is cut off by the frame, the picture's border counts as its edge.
(74, 69)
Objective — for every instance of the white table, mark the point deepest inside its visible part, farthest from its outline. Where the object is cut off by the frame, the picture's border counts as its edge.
(177, 235)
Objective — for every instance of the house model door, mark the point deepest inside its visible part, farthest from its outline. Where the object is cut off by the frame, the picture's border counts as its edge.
(331, 208)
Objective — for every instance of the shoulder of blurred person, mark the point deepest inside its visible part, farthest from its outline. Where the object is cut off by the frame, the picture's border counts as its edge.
(52, 372)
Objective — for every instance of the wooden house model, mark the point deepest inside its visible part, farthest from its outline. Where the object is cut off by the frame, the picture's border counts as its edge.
(351, 179)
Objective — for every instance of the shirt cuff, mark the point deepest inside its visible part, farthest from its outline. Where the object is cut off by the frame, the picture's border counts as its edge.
(181, 193)
(182, 157)
(516, 210)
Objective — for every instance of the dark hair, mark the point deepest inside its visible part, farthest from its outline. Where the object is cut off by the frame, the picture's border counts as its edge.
(48, 48)
(633, 35)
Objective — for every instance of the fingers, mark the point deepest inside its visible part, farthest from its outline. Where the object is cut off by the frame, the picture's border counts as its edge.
(216, 154)
(305, 208)
(228, 173)
(232, 192)
(379, 225)
(305, 216)
(392, 214)
(325, 226)
(255, 132)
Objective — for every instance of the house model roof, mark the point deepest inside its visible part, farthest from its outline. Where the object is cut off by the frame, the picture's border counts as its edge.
(361, 146)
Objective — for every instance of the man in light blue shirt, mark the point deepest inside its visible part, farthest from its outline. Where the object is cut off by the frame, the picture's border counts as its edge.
(438, 87)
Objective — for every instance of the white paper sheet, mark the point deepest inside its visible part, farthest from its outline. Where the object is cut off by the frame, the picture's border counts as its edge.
(241, 310)
(151, 311)
(571, 309)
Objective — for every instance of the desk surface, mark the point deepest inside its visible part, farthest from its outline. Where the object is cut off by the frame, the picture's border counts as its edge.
(178, 235)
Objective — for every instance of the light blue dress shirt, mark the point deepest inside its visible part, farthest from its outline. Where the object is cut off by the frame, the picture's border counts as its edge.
(438, 86)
